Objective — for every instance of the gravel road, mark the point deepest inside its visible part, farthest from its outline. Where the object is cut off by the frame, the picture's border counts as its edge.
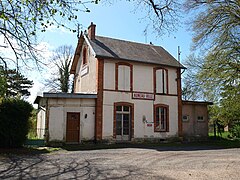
(126, 163)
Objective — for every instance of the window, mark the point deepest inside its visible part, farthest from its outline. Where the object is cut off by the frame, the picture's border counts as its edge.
(185, 118)
(161, 118)
(200, 118)
(161, 81)
(123, 77)
(84, 55)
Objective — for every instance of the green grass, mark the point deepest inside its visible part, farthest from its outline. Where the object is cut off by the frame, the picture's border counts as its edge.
(225, 135)
(225, 141)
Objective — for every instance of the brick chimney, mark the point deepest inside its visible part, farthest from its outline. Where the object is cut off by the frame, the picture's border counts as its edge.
(91, 31)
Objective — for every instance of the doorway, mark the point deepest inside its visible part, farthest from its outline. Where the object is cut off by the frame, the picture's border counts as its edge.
(123, 122)
(73, 127)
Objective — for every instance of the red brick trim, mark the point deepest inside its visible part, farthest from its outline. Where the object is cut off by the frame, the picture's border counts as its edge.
(131, 105)
(116, 74)
(99, 100)
(155, 106)
(155, 79)
(179, 92)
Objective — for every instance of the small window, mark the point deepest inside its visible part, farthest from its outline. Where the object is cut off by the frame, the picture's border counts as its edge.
(185, 118)
(84, 55)
(200, 118)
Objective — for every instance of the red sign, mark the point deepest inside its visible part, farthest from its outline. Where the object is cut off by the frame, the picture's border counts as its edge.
(147, 96)
(149, 125)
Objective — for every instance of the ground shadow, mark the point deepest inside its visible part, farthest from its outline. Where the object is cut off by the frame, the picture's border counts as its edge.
(45, 167)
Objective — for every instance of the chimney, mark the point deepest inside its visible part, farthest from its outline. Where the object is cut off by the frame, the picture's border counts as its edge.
(91, 31)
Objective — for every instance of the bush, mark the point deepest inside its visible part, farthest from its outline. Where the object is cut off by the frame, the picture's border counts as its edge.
(14, 122)
(236, 130)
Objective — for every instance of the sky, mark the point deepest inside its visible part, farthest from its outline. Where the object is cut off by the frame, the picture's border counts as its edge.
(117, 20)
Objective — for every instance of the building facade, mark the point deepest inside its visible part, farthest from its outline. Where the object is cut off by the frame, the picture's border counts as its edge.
(137, 91)
(138, 87)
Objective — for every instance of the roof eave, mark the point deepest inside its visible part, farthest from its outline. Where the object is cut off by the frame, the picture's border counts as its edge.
(77, 54)
(70, 95)
(197, 102)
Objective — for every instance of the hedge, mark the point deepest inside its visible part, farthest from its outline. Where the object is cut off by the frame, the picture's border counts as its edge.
(14, 122)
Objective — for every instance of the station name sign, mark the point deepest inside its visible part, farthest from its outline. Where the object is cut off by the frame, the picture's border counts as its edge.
(146, 96)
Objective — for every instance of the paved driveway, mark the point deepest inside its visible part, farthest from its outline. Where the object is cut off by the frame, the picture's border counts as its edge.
(126, 163)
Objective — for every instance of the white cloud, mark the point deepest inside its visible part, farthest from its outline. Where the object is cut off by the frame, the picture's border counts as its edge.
(59, 30)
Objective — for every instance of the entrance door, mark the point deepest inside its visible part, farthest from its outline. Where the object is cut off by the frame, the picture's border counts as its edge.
(73, 130)
(123, 124)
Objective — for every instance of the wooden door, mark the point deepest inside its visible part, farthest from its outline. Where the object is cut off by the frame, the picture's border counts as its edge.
(73, 127)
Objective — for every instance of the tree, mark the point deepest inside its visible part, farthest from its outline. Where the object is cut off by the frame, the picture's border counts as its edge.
(22, 20)
(60, 79)
(14, 122)
(17, 84)
(217, 28)
(161, 16)
(3, 83)
(217, 31)
(192, 85)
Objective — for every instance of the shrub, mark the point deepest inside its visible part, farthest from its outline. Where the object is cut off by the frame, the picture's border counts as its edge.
(14, 122)
(236, 130)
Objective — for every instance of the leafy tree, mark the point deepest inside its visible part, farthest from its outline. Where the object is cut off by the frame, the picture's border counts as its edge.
(14, 122)
(192, 85)
(3, 83)
(216, 30)
(22, 20)
(17, 84)
(60, 79)
(32, 133)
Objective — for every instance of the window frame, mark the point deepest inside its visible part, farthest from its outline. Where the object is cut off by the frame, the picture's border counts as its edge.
(116, 75)
(166, 107)
(163, 80)
(131, 112)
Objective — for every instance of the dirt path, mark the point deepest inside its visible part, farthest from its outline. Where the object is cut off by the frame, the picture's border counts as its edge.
(127, 163)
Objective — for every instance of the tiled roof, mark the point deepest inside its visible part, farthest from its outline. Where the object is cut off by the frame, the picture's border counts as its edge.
(110, 48)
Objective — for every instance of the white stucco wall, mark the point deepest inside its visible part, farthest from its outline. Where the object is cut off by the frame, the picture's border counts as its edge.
(142, 77)
(86, 74)
(141, 108)
(172, 80)
(143, 81)
(58, 109)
